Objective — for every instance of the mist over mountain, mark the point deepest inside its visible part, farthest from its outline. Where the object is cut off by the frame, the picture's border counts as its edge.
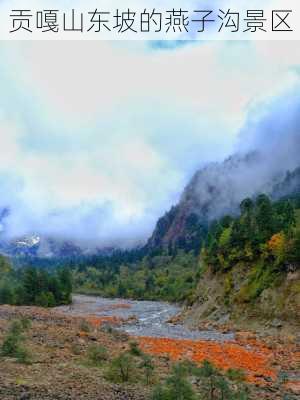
(268, 162)
(265, 161)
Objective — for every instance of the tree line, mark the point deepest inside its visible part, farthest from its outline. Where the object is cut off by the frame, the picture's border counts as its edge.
(265, 234)
(265, 229)
(34, 286)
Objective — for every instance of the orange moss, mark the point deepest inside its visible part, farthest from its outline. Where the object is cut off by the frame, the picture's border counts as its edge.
(98, 321)
(83, 334)
(256, 361)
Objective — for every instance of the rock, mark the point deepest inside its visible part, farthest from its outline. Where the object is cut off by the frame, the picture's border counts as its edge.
(268, 379)
(133, 319)
(92, 338)
(276, 323)
(224, 319)
(24, 396)
(293, 387)
(245, 336)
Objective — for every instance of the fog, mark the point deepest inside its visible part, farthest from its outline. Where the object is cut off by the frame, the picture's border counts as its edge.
(95, 148)
(267, 148)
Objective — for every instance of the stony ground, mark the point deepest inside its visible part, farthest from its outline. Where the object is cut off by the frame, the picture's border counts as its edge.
(59, 369)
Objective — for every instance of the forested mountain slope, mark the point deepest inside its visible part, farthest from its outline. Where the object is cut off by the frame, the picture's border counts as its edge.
(250, 268)
(215, 191)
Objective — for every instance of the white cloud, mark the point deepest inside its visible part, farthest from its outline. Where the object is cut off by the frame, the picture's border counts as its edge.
(88, 126)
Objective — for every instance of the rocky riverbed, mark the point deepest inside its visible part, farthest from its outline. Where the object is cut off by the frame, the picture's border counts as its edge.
(58, 342)
(140, 318)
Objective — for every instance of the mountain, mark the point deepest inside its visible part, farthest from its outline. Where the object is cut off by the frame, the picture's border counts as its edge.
(290, 186)
(180, 227)
(38, 246)
(215, 191)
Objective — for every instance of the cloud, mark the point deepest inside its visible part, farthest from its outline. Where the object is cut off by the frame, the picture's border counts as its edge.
(98, 139)
(268, 147)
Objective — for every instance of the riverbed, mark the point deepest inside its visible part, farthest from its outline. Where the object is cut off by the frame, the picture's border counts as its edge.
(147, 318)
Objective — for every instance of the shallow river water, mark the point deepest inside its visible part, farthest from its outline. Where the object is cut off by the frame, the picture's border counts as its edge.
(150, 317)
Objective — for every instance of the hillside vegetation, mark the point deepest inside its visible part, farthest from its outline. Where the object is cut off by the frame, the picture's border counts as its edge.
(248, 266)
(247, 269)
(33, 286)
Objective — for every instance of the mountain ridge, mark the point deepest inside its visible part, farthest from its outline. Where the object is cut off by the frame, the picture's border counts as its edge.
(214, 191)
(173, 229)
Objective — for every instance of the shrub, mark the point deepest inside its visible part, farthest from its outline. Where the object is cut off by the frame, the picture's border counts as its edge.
(211, 384)
(177, 386)
(12, 344)
(148, 366)
(160, 393)
(223, 388)
(85, 326)
(216, 386)
(26, 323)
(6, 295)
(97, 354)
(236, 375)
(122, 368)
(23, 356)
(45, 299)
(134, 349)
(207, 369)
(76, 349)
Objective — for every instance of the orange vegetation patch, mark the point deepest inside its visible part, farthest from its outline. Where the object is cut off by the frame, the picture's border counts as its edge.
(254, 361)
(98, 321)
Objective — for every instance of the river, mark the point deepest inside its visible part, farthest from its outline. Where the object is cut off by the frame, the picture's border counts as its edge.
(147, 318)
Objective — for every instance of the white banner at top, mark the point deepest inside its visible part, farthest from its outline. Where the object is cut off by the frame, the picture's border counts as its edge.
(149, 20)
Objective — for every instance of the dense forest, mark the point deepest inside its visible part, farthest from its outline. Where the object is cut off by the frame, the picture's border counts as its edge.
(34, 286)
(265, 236)
(265, 233)
(160, 277)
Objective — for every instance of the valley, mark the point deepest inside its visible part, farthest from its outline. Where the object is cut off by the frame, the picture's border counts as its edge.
(62, 363)
(207, 307)
(149, 206)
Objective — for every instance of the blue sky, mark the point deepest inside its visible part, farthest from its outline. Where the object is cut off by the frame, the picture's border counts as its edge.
(98, 139)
